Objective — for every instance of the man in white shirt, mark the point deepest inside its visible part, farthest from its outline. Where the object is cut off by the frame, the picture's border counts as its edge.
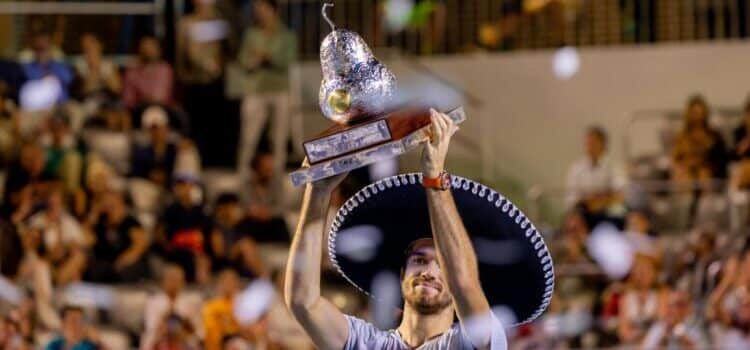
(170, 300)
(594, 181)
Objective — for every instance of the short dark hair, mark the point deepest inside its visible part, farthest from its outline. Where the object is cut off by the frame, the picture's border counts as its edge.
(227, 198)
(414, 245)
(599, 132)
(68, 309)
(273, 3)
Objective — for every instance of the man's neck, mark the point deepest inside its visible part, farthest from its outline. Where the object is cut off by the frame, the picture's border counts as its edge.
(596, 159)
(416, 328)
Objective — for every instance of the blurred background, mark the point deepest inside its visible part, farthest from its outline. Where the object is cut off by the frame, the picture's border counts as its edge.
(145, 147)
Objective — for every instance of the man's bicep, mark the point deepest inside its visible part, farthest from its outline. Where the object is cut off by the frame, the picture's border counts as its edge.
(325, 324)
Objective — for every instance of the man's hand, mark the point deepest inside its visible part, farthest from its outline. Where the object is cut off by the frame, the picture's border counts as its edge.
(441, 130)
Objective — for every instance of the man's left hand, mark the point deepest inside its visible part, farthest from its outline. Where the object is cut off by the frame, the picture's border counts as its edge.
(441, 130)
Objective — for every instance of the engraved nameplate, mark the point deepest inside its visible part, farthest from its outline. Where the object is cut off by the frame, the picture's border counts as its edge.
(368, 156)
(347, 141)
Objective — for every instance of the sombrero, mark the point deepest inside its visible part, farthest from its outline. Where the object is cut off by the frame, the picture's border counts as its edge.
(515, 266)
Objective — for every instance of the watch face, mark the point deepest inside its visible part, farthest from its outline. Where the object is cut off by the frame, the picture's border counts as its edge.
(445, 181)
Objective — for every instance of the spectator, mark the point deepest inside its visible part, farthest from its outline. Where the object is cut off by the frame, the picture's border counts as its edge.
(218, 313)
(698, 152)
(34, 273)
(264, 203)
(201, 41)
(98, 77)
(235, 342)
(171, 300)
(44, 65)
(156, 159)
(150, 80)
(734, 282)
(736, 334)
(183, 228)
(639, 232)
(229, 246)
(740, 178)
(10, 132)
(64, 239)
(75, 332)
(176, 333)
(640, 301)
(112, 116)
(119, 251)
(27, 184)
(677, 327)
(64, 160)
(268, 49)
(594, 182)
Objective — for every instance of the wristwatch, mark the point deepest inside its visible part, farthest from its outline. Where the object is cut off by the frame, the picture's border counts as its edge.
(441, 183)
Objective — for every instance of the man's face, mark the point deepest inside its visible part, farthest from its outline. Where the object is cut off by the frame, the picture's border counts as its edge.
(594, 145)
(228, 213)
(32, 159)
(229, 283)
(149, 50)
(422, 286)
(173, 280)
(678, 307)
(73, 324)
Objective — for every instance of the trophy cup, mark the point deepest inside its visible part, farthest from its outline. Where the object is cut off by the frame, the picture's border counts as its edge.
(357, 94)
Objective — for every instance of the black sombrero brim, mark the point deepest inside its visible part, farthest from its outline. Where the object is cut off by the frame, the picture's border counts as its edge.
(514, 263)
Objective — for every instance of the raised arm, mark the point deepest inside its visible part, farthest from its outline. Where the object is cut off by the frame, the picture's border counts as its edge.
(323, 322)
(454, 250)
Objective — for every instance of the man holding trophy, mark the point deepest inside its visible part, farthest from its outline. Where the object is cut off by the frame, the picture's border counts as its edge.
(460, 248)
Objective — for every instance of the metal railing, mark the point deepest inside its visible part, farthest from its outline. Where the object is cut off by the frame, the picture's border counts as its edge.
(453, 26)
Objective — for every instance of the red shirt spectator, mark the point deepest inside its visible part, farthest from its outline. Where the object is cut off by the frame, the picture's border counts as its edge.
(150, 80)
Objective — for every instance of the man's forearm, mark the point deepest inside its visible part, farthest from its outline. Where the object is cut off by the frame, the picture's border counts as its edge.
(302, 285)
(455, 251)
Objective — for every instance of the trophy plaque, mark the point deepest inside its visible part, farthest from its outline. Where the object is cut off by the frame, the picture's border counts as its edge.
(355, 93)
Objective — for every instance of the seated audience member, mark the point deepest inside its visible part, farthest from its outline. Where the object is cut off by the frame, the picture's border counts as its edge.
(735, 334)
(182, 230)
(150, 79)
(699, 152)
(734, 282)
(218, 313)
(176, 333)
(97, 76)
(112, 116)
(64, 239)
(43, 64)
(35, 274)
(639, 304)
(27, 185)
(172, 301)
(75, 332)
(10, 132)
(228, 245)
(264, 206)
(119, 251)
(569, 247)
(677, 326)
(594, 182)
(741, 153)
(64, 160)
(155, 160)
(640, 234)
(97, 182)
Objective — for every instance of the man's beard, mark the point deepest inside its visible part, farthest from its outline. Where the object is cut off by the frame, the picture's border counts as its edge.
(427, 306)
